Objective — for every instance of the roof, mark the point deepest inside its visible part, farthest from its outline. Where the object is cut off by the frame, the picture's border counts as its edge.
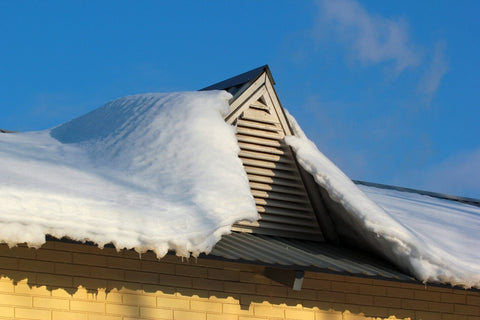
(305, 255)
(237, 84)
(470, 201)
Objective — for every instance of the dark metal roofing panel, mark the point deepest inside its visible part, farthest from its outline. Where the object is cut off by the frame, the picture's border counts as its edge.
(236, 85)
(471, 201)
(6, 131)
(302, 255)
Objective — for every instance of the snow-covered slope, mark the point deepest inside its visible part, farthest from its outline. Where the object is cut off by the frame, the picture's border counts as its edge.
(435, 240)
(154, 171)
(161, 171)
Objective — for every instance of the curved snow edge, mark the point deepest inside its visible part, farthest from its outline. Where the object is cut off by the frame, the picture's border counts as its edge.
(150, 172)
(380, 230)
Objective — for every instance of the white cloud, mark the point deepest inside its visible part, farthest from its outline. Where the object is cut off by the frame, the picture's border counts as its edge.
(430, 81)
(370, 38)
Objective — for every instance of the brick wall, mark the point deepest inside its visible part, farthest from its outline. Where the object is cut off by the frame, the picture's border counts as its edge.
(73, 281)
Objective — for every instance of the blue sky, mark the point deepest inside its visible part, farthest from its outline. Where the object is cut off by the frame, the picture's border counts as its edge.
(389, 90)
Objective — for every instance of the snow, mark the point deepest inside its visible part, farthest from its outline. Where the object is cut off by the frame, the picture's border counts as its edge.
(161, 172)
(435, 240)
(152, 171)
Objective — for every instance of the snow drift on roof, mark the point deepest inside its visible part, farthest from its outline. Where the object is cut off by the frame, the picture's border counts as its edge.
(153, 171)
(435, 240)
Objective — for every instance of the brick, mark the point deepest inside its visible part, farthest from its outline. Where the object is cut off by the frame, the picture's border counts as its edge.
(107, 273)
(72, 269)
(88, 306)
(24, 288)
(122, 310)
(207, 284)
(256, 278)
(453, 298)
(427, 295)
(156, 313)
(54, 256)
(62, 315)
(6, 312)
(103, 317)
(89, 283)
(219, 274)
(299, 314)
(268, 311)
(8, 263)
(7, 286)
(104, 296)
(192, 293)
(449, 316)
(50, 303)
(175, 281)
(139, 300)
(359, 299)
(223, 316)
(401, 313)
(191, 271)
(22, 276)
(441, 307)
(238, 287)
(414, 304)
(372, 290)
(387, 302)
(20, 251)
(304, 294)
(175, 303)
(158, 267)
(473, 300)
(54, 280)
(89, 259)
(317, 284)
(208, 306)
(189, 315)
(237, 309)
(399, 293)
(425, 315)
(466, 309)
(344, 286)
(375, 311)
(327, 315)
(15, 300)
(124, 263)
(271, 290)
(251, 318)
(142, 277)
(33, 314)
(36, 266)
(339, 297)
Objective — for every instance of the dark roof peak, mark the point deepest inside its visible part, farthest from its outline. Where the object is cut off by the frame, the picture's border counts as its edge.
(237, 84)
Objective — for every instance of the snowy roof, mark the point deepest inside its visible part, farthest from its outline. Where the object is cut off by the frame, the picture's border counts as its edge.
(162, 172)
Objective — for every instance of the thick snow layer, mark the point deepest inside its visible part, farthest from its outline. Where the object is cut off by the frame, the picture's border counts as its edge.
(436, 240)
(153, 171)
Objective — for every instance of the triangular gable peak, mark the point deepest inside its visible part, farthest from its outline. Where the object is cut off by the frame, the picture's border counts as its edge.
(287, 199)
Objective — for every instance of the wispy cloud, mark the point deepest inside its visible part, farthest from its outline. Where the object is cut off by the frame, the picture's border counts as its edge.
(370, 38)
(432, 77)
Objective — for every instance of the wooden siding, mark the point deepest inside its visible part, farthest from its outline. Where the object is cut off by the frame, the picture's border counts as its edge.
(282, 201)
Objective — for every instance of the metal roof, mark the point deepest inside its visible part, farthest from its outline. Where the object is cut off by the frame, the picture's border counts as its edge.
(302, 255)
(237, 84)
(471, 201)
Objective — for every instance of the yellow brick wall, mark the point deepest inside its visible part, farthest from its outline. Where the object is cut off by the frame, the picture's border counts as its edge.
(73, 281)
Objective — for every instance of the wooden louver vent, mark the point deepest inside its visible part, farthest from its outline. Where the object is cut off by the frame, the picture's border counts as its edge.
(280, 196)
